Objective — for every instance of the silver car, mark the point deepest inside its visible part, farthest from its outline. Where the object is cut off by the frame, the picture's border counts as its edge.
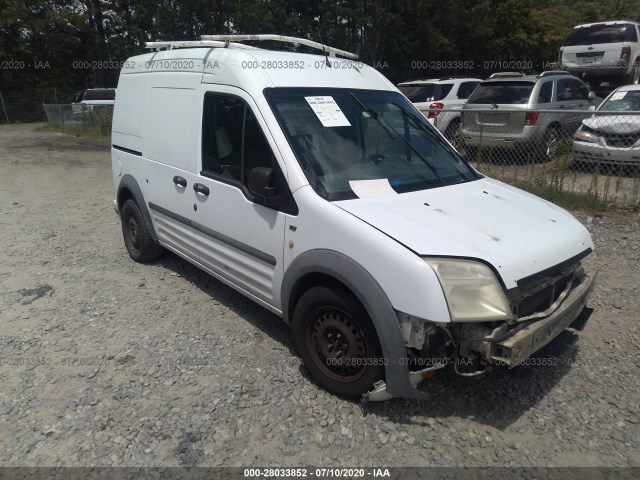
(507, 112)
(612, 138)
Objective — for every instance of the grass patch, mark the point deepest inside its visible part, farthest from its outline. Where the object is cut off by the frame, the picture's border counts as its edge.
(76, 131)
(584, 202)
(93, 124)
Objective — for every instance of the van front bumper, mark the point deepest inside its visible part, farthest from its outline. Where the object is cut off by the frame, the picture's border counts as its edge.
(518, 347)
(510, 349)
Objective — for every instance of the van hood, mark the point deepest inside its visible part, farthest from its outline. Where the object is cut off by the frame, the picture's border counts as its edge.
(518, 233)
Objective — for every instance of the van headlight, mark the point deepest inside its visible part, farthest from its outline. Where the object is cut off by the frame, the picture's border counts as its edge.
(472, 290)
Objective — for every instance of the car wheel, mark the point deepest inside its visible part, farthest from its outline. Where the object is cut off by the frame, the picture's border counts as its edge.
(549, 144)
(137, 234)
(336, 341)
(453, 134)
(634, 76)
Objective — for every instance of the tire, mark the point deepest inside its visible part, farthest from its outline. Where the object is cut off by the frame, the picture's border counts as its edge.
(453, 133)
(330, 326)
(550, 140)
(136, 232)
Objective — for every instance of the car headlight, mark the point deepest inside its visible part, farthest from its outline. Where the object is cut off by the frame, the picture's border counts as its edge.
(583, 136)
(471, 289)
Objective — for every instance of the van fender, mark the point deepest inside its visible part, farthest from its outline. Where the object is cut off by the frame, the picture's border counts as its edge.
(367, 290)
(129, 183)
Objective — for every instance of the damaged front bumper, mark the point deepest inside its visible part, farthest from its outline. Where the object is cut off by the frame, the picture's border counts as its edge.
(510, 344)
(524, 342)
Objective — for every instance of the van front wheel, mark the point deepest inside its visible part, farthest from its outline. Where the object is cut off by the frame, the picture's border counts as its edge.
(336, 341)
(137, 234)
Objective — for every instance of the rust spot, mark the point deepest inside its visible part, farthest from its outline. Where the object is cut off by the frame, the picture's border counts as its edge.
(290, 244)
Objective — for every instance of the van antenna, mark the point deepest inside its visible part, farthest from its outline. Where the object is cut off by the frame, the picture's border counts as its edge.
(326, 54)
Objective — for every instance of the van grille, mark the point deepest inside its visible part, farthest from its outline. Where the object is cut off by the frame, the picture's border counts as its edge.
(539, 295)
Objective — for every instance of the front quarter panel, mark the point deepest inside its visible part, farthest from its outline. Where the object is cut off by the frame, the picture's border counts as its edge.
(409, 283)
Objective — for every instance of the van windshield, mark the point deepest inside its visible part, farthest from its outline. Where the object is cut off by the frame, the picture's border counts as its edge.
(344, 135)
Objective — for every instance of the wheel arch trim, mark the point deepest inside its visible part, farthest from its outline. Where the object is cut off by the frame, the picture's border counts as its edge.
(370, 294)
(129, 183)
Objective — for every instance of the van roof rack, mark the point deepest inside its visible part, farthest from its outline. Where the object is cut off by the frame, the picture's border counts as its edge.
(232, 40)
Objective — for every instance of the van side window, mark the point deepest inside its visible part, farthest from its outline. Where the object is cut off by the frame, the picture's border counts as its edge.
(232, 141)
(564, 90)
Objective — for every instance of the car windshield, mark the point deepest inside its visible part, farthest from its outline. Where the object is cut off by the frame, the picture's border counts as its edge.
(502, 92)
(420, 93)
(345, 135)
(601, 33)
(622, 102)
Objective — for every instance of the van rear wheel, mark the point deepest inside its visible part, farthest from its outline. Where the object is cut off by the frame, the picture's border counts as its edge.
(137, 234)
(336, 341)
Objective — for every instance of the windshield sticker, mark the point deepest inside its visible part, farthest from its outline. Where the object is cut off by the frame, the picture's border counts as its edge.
(328, 111)
(617, 96)
(372, 188)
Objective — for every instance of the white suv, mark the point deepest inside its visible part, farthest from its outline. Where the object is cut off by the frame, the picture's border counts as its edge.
(605, 51)
(323, 195)
(440, 100)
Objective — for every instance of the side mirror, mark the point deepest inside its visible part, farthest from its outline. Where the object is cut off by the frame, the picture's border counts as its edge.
(262, 184)
(592, 108)
(592, 95)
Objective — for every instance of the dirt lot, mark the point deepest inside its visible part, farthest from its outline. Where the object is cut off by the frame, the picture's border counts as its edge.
(108, 362)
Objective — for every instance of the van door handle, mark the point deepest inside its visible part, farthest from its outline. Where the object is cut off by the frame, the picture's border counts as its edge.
(180, 181)
(199, 188)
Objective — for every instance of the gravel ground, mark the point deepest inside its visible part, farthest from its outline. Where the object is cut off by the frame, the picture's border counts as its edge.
(108, 362)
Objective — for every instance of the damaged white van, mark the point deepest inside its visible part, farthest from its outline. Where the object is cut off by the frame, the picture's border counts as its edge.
(311, 185)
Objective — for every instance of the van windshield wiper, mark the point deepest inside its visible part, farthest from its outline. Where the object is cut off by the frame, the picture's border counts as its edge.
(375, 116)
(419, 125)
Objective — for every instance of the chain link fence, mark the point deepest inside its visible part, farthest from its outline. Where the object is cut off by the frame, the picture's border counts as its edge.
(592, 154)
(72, 118)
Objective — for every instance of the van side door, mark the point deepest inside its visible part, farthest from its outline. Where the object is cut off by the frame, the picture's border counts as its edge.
(239, 238)
(169, 158)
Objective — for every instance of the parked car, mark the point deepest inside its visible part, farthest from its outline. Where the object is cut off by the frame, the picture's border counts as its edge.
(614, 138)
(93, 99)
(326, 197)
(440, 100)
(508, 112)
(603, 52)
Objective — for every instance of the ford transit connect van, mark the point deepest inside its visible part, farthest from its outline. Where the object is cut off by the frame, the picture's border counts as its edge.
(311, 185)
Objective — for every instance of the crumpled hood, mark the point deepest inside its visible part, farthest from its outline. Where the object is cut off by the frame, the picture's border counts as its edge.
(619, 124)
(516, 232)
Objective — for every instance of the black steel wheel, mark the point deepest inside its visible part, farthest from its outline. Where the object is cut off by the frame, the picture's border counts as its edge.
(136, 232)
(336, 341)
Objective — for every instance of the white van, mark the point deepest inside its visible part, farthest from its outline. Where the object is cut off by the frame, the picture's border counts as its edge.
(310, 184)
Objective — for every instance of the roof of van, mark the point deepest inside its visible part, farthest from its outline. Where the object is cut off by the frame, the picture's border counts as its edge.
(250, 68)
